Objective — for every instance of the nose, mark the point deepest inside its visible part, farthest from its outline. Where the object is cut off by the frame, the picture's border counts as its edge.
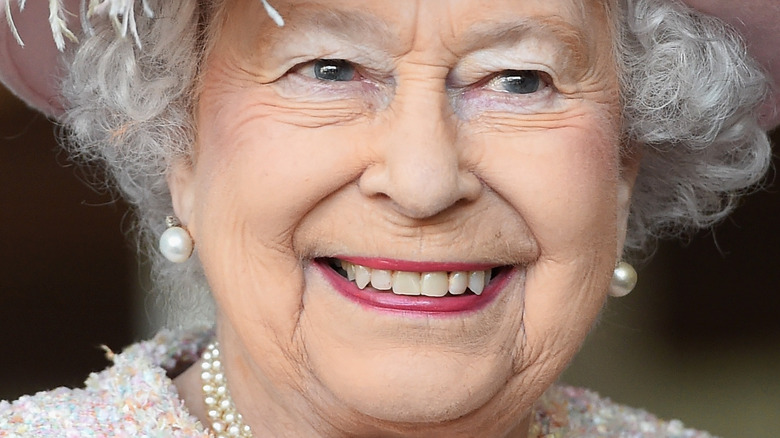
(419, 166)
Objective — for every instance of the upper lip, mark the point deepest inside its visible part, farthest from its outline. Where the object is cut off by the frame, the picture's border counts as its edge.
(417, 266)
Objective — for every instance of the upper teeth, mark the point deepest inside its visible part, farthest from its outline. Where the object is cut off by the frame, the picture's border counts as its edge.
(432, 284)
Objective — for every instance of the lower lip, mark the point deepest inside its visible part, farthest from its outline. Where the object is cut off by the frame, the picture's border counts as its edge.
(386, 300)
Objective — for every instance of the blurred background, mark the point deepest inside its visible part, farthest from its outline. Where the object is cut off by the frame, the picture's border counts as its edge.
(698, 340)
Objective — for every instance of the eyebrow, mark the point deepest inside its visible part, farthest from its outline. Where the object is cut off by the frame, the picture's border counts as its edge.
(574, 41)
(352, 25)
(375, 32)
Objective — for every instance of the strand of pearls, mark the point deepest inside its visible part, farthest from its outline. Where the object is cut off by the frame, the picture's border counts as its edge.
(225, 420)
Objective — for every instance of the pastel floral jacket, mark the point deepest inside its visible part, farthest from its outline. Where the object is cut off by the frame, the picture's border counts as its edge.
(135, 398)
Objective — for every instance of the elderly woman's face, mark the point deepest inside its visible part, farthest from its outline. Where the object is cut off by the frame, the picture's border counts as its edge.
(463, 154)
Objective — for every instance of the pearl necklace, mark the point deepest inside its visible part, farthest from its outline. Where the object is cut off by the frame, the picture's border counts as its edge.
(225, 420)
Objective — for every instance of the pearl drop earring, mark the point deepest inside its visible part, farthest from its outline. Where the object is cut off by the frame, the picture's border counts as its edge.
(624, 279)
(176, 243)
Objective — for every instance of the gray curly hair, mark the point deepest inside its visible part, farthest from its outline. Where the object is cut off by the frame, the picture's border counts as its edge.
(689, 93)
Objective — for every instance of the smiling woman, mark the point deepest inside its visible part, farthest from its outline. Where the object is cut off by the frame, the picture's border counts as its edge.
(407, 160)
(408, 214)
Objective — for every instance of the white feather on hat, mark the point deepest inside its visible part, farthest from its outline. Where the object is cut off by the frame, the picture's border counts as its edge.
(29, 64)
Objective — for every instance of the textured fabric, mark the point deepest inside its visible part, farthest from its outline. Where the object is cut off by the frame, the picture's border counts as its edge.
(132, 398)
(135, 398)
(566, 412)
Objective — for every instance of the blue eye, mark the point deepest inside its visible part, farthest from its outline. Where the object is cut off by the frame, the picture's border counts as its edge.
(518, 81)
(336, 70)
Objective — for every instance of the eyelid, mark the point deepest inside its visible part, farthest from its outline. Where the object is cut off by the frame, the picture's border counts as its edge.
(368, 58)
(525, 55)
(467, 75)
(481, 98)
(370, 92)
(364, 71)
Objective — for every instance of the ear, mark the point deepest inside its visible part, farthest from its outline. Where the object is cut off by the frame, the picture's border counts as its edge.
(181, 183)
(630, 158)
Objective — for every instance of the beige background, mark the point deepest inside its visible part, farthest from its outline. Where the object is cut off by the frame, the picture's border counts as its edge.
(698, 340)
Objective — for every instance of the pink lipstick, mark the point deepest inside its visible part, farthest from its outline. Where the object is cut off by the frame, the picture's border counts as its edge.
(419, 304)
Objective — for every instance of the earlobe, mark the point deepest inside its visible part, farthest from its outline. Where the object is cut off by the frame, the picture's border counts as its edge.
(182, 187)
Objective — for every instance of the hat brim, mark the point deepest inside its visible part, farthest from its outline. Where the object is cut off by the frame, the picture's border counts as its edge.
(33, 72)
(759, 23)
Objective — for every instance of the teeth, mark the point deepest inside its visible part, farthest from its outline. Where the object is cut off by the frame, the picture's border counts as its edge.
(350, 268)
(406, 283)
(434, 284)
(477, 281)
(362, 276)
(381, 279)
(459, 281)
(431, 284)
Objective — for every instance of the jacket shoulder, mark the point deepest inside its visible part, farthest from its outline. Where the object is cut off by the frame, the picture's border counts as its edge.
(133, 397)
(565, 411)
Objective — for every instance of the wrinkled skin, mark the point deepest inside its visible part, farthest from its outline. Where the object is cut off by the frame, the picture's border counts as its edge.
(32, 77)
(422, 154)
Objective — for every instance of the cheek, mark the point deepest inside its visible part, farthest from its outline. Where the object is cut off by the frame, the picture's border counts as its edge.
(256, 177)
(562, 182)
(271, 164)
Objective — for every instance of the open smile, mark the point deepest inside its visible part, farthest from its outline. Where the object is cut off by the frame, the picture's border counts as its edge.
(425, 287)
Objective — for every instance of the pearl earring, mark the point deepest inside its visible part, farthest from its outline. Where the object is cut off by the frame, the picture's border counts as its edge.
(175, 243)
(623, 280)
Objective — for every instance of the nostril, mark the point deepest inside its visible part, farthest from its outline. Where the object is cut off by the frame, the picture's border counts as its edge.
(470, 186)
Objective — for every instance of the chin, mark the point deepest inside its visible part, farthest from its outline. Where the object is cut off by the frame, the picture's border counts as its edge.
(409, 360)
(418, 387)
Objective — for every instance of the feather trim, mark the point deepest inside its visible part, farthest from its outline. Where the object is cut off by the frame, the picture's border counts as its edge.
(121, 13)
(10, 21)
(59, 27)
(273, 13)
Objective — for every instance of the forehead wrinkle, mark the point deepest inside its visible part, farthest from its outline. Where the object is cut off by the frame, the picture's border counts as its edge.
(353, 26)
(574, 42)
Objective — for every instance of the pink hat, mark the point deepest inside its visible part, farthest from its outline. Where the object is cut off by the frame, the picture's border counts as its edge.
(759, 23)
(32, 73)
